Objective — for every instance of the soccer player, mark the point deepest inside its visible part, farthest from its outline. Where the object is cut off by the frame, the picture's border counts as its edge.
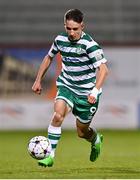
(79, 85)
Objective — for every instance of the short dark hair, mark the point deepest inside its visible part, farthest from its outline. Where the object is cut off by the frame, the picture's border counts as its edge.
(75, 15)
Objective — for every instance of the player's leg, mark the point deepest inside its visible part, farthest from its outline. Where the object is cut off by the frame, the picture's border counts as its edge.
(84, 113)
(61, 109)
(86, 132)
(91, 135)
(54, 130)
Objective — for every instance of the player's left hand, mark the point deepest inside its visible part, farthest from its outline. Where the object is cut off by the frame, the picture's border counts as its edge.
(91, 99)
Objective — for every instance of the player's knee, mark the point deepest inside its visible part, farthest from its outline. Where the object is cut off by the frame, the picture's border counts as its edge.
(58, 118)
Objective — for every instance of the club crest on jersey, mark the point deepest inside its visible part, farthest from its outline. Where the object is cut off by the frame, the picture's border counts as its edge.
(79, 50)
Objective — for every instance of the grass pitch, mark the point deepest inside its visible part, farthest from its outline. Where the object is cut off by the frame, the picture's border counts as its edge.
(120, 157)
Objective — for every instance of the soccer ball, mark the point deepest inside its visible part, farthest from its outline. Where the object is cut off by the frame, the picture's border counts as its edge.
(39, 147)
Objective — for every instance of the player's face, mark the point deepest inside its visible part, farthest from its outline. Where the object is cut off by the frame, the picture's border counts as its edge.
(73, 29)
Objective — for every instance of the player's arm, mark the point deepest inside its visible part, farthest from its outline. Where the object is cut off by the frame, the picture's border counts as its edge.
(41, 72)
(102, 72)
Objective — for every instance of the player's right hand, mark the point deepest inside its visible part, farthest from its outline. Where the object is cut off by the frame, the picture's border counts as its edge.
(37, 87)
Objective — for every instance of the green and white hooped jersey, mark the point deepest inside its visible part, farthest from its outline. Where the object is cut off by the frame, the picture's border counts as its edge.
(79, 62)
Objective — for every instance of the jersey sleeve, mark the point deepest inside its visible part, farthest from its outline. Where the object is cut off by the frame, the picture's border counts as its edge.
(96, 54)
(53, 50)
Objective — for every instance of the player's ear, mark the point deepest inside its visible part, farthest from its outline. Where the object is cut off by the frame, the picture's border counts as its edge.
(64, 25)
(82, 25)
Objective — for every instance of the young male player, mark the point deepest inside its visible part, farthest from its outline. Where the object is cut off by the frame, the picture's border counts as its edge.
(79, 85)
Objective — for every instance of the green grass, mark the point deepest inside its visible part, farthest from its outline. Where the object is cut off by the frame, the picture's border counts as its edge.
(120, 157)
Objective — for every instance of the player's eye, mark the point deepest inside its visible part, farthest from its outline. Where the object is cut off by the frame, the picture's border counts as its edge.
(74, 29)
(68, 28)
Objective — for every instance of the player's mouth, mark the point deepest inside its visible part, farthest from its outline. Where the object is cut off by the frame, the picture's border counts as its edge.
(73, 39)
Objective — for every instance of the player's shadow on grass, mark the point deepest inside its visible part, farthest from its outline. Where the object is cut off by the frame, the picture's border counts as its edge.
(96, 169)
(97, 172)
(91, 172)
(109, 169)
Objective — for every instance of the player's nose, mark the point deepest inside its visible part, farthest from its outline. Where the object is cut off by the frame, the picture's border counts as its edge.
(71, 33)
